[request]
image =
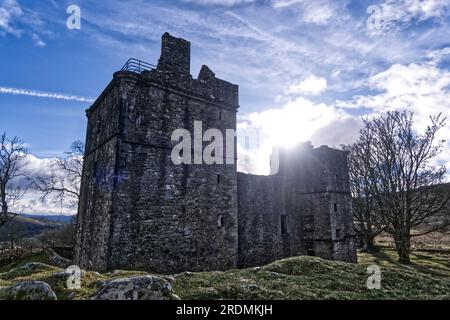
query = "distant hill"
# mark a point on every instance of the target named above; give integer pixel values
(60, 218)
(30, 225)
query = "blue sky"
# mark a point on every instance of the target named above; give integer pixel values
(307, 70)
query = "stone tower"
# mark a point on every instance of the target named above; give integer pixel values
(137, 208)
(140, 209)
(303, 209)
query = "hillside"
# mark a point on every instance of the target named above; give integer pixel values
(295, 278)
(27, 226)
(58, 218)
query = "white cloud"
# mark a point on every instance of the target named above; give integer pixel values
(318, 14)
(312, 12)
(312, 85)
(32, 203)
(227, 3)
(38, 42)
(436, 56)
(298, 121)
(10, 10)
(421, 88)
(278, 4)
(43, 94)
(398, 14)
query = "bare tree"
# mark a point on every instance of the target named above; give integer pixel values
(65, 177)
(12, 232)
(368, 222)
(12, 161)
(30, 243)
(404, 180)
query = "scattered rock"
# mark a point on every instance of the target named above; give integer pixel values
(57, 260)
(71, 296)
(100, 283)
(28, 290)
(34, 266)
(275, 274)
(136, 288)
(170, 279)
(174, 297)
(256, 269)
(184, 274)
(64, 274)
(60, 275)
(250, 287)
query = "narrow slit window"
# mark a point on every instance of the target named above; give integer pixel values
(219, 178)
(220, 115)
(335, 207)
(221, 222)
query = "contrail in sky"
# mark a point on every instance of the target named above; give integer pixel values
(43, 94)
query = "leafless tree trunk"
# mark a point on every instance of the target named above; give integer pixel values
(65, 178)
(404, 180)
(12, 161)
(368, 222)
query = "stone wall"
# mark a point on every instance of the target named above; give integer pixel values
(304, 209)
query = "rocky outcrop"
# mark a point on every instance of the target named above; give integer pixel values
(28, 290)
(26, 269)
(57, 260)
(136, 288)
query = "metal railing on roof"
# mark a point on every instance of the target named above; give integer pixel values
(138, 66)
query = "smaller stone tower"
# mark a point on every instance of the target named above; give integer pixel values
(303, 209)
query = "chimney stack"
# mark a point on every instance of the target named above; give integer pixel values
(175, 55)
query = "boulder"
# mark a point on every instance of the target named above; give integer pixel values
(57, 260)
(136, 288)
(28, 290)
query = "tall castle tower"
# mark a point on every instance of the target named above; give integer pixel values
(137, 208)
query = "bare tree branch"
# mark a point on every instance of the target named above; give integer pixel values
(404, 182)
(65, 177)
(12, 161)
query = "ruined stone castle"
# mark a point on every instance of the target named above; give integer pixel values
(140, 210)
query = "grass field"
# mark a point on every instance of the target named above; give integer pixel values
(428, 277)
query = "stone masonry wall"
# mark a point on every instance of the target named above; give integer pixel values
(304, 209)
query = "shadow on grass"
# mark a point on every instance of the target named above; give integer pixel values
(423, 263)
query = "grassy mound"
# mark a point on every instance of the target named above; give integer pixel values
(428, 277)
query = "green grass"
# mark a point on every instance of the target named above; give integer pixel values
(428, 277)
(36, 257)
